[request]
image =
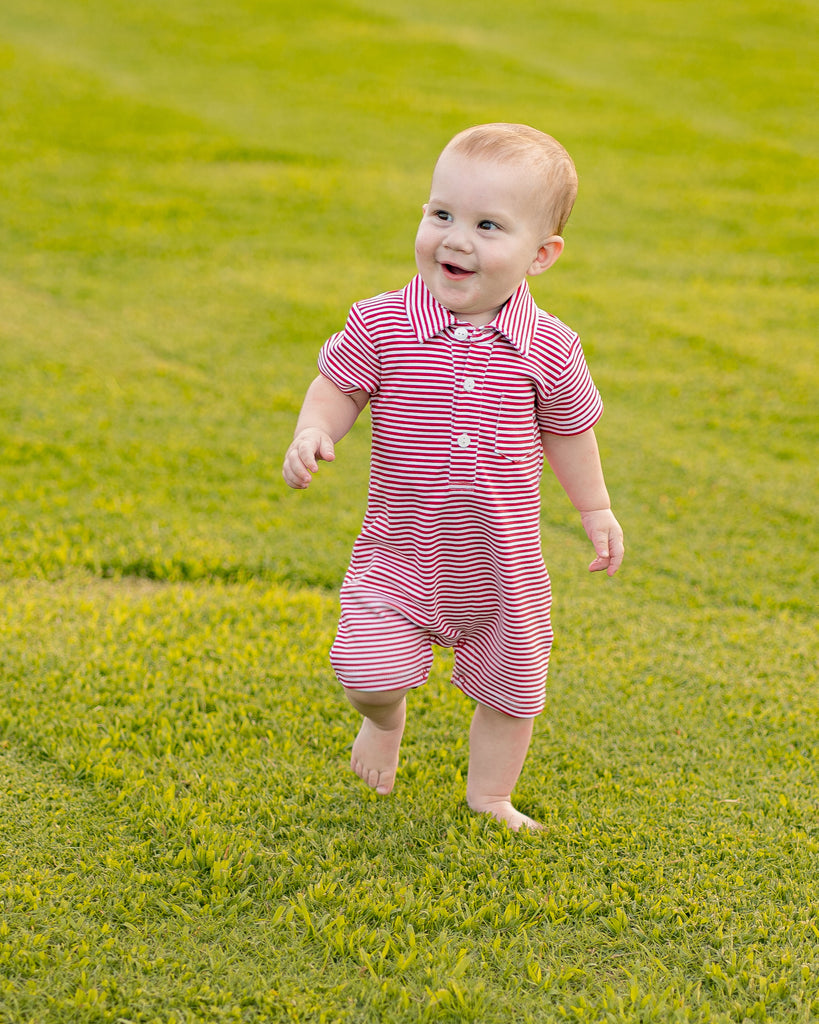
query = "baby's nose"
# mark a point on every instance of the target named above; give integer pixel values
(458, 240)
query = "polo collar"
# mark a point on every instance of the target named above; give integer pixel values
(516, 320)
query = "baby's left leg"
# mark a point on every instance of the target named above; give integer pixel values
(376, 748)
(377, 644)
(498, 745)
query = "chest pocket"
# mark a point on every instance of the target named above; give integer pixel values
(517, 438)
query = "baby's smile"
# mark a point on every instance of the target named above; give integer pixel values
(455, 272)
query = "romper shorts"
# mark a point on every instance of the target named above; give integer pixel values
(380, 646)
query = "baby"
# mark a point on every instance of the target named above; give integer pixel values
(470, 384)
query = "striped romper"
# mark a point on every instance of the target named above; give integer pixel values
(449, 552)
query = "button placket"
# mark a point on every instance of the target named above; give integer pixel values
(466, 411)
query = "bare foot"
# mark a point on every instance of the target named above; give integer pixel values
(503, 811)
(497, 750)
(375, 751)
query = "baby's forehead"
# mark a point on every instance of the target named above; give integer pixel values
(509, 158)
(513, 169)
(503, 177)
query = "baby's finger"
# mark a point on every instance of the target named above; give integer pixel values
(295, 471)
(327, 451)
(618, 552)
(600, 541)
(303, 456)
(295, 479)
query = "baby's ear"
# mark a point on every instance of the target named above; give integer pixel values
(548, 254)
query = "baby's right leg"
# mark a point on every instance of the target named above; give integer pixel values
(376, 748)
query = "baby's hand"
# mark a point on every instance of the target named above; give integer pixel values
(301, 460)
(606, 535)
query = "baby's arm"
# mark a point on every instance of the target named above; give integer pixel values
(326, 416)
(575, 461)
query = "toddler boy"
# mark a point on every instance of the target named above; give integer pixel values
(469, 385)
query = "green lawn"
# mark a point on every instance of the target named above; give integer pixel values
(191, 195)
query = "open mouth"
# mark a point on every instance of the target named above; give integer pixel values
(455, 272)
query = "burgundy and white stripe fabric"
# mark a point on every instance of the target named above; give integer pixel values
(449, 552)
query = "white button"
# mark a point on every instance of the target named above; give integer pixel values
(463, 440)
(461, 333)
(469, 383)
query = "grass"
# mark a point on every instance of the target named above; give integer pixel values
(190, 197)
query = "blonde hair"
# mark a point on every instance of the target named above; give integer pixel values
(553, 173)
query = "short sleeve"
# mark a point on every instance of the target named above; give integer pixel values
(350, 358)
(573, 404)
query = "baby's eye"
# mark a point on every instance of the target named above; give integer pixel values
(488, 225)
(442, 215)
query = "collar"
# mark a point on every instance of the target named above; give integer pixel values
(516, 320)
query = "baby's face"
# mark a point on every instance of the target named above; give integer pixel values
(479, 237)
